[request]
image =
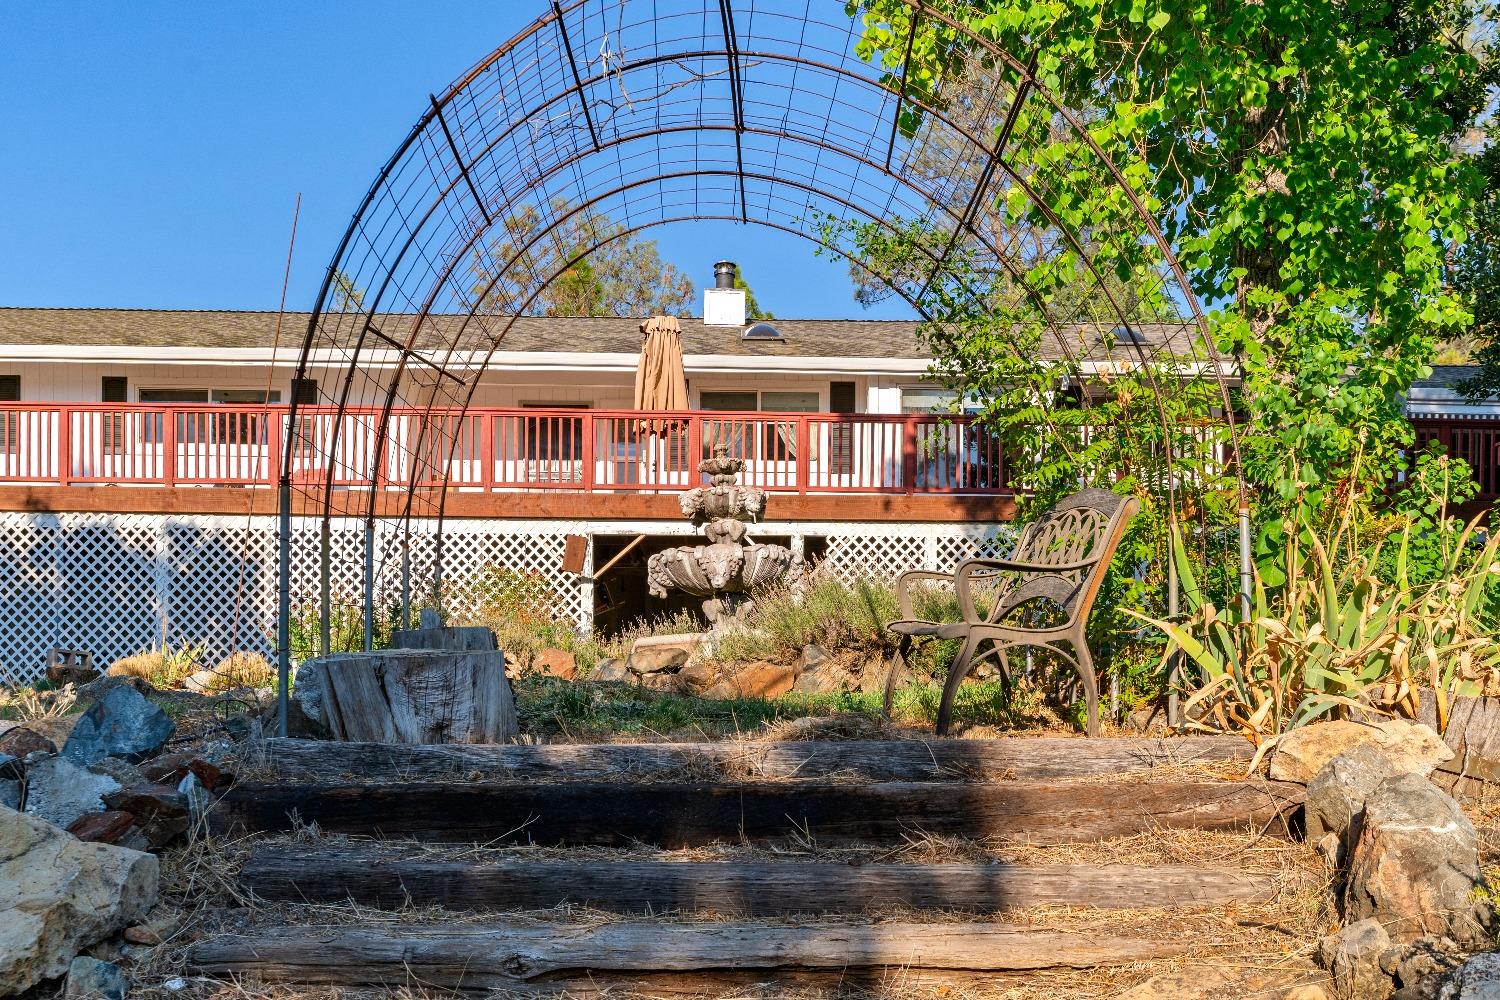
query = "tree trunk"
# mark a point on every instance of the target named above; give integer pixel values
(409, 696)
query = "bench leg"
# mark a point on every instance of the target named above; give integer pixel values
(1085, 663)
(956, 673)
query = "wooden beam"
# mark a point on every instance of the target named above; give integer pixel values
(1037, 759)
(638, 539)
(374, 877)
(679, 815)
(502, 954)
(549, 505)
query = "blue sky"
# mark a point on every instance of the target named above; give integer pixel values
(151, 151)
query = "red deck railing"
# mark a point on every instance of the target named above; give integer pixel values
(63, 444)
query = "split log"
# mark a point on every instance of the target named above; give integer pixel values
(1037, 759)
(690, 815)
(410, 696)
(372, 877)
(501, 955)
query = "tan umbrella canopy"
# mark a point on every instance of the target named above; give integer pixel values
(660, 383)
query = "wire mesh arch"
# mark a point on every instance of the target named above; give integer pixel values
(603, 119)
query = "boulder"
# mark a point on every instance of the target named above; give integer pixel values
(1420, 967)
(1411, 747)
(1476, 979)
(107, 827)
(609, 671)
(19, 741)
(657, 653)
(201, 682)
(59, 895)
(556, 663)
(1352, 958)
(827, 677)
(123, 723)
(812, 658)
(699, 676)
(92, 979)
(59, 791)
(1415, 866)
(1336, 795)
(761, 680)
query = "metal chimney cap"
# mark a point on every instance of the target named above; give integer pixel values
(724, 272)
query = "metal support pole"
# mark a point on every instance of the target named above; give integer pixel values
(325, 588)
(369, 604)
(1247, 581)
(1174, 665)
(283, 603)
(406, 574)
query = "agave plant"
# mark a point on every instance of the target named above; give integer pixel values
(1334, 639)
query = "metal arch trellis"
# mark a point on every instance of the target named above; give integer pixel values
(617, 116)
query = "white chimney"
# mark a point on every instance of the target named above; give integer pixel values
(723, 304)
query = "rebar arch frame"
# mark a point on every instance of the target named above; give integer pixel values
(607, 118)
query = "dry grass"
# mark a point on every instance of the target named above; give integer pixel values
(242, 670)
(161, 667)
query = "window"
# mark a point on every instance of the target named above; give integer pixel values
(246, 397)
(114, 389)
(924, 399)
(778, 440)
(10, 422)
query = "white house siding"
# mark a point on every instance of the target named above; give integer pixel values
(115, 584)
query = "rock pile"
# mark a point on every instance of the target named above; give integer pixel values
(1406, 858)
(675, 663)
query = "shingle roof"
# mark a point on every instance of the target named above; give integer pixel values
(603, 335)
(1447, 376)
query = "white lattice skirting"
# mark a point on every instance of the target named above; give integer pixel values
(116, 584)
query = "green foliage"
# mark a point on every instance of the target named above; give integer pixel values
(346, 632)
(550, 708)
(1476, 274)
(1326, 636)
(1299, 158)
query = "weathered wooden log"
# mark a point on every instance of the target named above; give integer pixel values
(466, 638)
(1038, 759)
(410, 696)
(1473, 733)
(503, 954)
(687, 815)
(373, 877)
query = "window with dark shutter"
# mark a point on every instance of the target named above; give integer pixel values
(305, 391)
(841, 436)
(10, 421)
(113, 389)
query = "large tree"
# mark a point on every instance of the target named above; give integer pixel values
(1299, 156)
(583, 265)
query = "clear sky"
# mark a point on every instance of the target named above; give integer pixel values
(151, 150)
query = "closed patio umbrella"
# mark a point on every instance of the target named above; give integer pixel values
(660, 384)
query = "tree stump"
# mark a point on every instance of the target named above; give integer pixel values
(409, 696)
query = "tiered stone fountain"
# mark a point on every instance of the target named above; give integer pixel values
(725, 571)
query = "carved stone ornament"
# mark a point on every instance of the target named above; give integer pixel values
(728, 567)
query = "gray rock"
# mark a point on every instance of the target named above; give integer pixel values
(1476, 979)
(1415, 866)
(1352, 958)
(10, 793)
(92, 979)
(59, 791)
(1411, 747)
(656, 659)
(1419, 967)
(11, 768)
(108, 683)
(123, 723)
(122, 771)
(1336, 795)
(59, 895)
(308, 694)
(429, 618)
(812, 656)
(609, 671)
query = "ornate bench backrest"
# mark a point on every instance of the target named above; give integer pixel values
(1085, 526)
